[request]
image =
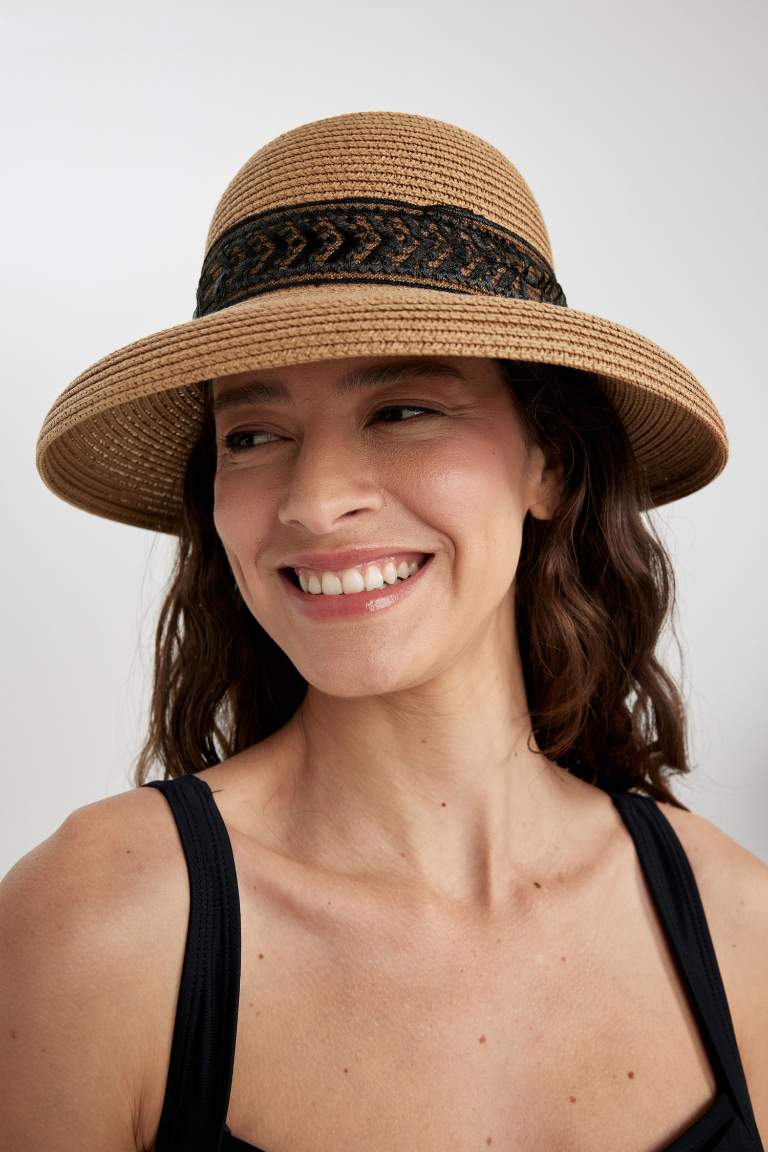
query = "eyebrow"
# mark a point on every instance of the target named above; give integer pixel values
(259, 392)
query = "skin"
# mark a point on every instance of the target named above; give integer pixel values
(408, 762)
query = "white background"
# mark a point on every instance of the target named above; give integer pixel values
(641, 129)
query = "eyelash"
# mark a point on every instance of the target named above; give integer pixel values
(234, 449)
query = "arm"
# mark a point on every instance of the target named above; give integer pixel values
(70, 1040)
(748, 902)
(733, 884)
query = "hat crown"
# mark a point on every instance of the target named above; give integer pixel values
(393, 155)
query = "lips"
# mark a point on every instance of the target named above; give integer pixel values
(351, 558)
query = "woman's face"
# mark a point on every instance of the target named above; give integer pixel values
(323, 465)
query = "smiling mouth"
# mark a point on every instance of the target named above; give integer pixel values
(291, 575)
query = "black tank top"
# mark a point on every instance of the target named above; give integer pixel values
(193, 1117)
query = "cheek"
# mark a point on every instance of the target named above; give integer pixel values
(224, 513)
(478, 484)
(237, 517)
(478, 500)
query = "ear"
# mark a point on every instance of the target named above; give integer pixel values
(546, 483)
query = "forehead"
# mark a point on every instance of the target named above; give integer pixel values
(257, 390)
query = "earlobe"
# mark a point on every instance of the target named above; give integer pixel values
(543, 509)
(550, 487)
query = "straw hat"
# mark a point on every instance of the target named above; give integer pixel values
(373, 233)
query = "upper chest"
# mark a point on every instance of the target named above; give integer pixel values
(364, 1025)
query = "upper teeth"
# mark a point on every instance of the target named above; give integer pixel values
(363, 577)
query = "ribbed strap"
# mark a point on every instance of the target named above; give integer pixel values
(676, 895)
(203, 1047)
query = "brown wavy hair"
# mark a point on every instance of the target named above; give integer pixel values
(594, 588)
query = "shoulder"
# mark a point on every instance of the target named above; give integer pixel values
(118, 856)
(99, 912)
(733, 880)
(136, 813)
(733, 885)
(103, 870)
(94, 863)
(126, 855)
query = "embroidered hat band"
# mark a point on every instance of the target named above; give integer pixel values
(366, 240)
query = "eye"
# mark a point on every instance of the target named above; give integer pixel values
(231, 444)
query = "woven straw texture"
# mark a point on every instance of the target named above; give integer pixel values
(115, 442)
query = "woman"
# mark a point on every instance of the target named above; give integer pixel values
(416, 852)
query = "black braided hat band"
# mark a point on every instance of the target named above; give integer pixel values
(367, 239)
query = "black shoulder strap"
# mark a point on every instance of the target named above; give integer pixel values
(203, 1047)
(676, 895)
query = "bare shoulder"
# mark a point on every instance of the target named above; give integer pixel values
(111, 863)
(96, 859)
(733, 884)
(119, 855)
(732, 878)
(134, 836)
(76, 944)
(97, 918)
(129, 844)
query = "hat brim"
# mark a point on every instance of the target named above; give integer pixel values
(116, 441)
